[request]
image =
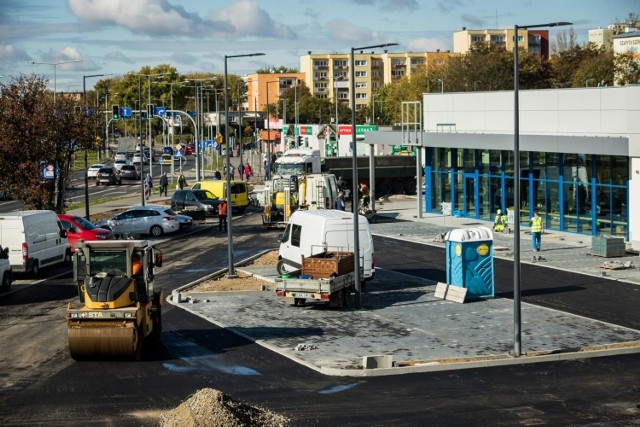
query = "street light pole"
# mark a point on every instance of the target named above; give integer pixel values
(231, 268)
(55, 77)
(268, 126)
(354, 176)
(86, 150)
(517, 325)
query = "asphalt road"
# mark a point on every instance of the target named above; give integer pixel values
(42, 385)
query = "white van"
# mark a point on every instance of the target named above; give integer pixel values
(35, 239)
(315, 231)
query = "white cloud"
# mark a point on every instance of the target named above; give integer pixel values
(119, 57)
(424, 44)
(249, 19)
(342, 30)
(10, 53)
(69, 54)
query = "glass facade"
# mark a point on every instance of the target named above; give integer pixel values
(586, 194)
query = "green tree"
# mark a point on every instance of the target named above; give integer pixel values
(37, 133)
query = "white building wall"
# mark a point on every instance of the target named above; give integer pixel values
(610, 112)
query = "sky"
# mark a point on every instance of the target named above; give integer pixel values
(121, 36)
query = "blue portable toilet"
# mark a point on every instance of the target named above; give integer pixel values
(470, 261)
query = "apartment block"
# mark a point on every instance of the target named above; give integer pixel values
(534, 41)
(266, 88)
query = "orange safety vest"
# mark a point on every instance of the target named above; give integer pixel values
(222, 209)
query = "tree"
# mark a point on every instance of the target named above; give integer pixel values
(37, 133)
(276, 70)
(565, 40)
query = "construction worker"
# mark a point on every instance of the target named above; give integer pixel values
(537, 228)
(500, 223)
(222, 215)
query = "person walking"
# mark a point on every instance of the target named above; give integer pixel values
(148, 185)
(537, 228)
(182, 181)
(222, 215)
(247, 171)
(500, 223)
(241, 170)
(217, 176)
(339, 205)
(164, 184)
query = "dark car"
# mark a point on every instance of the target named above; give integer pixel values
(108, 175)
(200, 199)
(189, 149)
(129, 172)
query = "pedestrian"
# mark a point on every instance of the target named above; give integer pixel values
(232, 172)
(148, 185)
(537, 228)
(267, 171)
(500, 223)
(164, 184)
(182, 181)
(241, 170)
(222, 215)
(248, 172)
(364, 195)
(217, 176)
(339, 205)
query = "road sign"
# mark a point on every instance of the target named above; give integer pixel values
(208, 143)
(159, 111)
(178, 147)
(125, 112)
(177, 153)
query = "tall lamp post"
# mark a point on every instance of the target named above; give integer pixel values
(86, 156)
(269, 124)
(55, 77)
(231, 272)
(517, 330)
(354, 176)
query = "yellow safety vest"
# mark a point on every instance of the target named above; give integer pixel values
(536, 225)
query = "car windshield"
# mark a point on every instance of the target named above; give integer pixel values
(204, 195)
(96, 166)
(84, 224)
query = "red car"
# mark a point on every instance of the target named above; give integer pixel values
(188, 149)
(79, 228)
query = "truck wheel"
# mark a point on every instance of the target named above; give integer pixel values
(398, 187)
(280, 267)
(410, 186)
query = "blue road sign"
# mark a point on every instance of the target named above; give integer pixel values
(177, 153)
(208, 143)
(159, 111)
(125, 112)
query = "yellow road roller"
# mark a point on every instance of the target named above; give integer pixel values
(119, 307)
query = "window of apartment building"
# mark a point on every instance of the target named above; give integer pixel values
(438, 61)
(398, 62)
(375, 74)
(321, 86)
(340, 63)
(361, 96)
(477, 39)
(320, 63)
(361, 85)
(361, 74)
(417, 61)
(343, 95)
(287, 82)
(361, 62)
(520, 39)
(340, 75)
(397, 73)
(320, 75)
(375, 63)
(498, 39)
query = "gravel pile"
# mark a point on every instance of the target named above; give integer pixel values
(212, 408)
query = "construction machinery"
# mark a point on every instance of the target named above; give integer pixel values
(120, 308)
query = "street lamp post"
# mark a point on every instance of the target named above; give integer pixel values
(86, 150)
(354, 176)
(231, 268)
(55, 77)
(517, 330)
(441, 85)
(268, 126)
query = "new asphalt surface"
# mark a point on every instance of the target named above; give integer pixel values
(402, 326)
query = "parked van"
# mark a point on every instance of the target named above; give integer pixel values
(5, 270)
(35, 239)
(239, 192)
(315, 231)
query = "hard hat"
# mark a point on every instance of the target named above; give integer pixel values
(499, 212)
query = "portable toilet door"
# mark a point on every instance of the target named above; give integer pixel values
(470, 261)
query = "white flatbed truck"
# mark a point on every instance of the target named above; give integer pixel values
(332, 290)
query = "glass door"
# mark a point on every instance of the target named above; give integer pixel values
(470, 195)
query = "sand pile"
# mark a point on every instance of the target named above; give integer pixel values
(212, 408)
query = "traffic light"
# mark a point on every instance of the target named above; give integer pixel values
(150, 110)
(115, 112)
(299, 140)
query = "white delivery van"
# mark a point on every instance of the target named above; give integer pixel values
(315, 231)
(35, 239)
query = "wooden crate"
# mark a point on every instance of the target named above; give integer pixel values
(327, 264)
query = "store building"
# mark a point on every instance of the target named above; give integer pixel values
(579, 156)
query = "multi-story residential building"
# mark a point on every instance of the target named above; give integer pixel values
(328, 75)
(602, 37)
(534, 41)
(265, 88)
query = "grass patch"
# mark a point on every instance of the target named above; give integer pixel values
(77, 159)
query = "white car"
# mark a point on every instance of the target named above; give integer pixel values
(138, 158)
(119, 163)
(120, 155)
(93, 170)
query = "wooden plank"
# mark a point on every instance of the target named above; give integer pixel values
(456, 294)
(441, 290)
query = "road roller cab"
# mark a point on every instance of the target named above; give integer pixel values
(120, 309)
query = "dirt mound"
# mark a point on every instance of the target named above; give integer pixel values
(270, 258)
(212, 408)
